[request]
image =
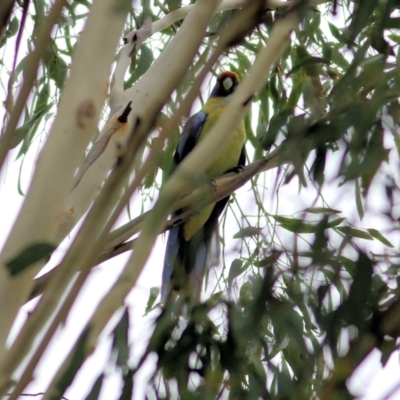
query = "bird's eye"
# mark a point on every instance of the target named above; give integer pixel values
(227, 83)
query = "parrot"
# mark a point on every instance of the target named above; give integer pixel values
(190, 245)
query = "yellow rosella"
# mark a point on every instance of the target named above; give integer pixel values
(189, 247)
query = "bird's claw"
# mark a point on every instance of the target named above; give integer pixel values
(237, 169)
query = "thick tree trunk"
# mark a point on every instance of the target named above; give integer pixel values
(76, 122)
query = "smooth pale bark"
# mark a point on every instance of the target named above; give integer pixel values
(151, 92)
(134, 40)
(148, 96)
(78, 112)
(176, 15)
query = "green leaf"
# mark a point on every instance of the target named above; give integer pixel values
(358, 233)
(96, 388)
(394, 38)
(394, 111)
(335, 32)
(21, 66)
(78, 357)
(376, 154)
(327, 51)
(285, 384)
(377, 235)
(359, 203)
(247, 232)
(339, 59)
(264, 106)
(245, 294)
(335, 222)
(39, 8)
(314, 24)
(127, 389)
(154, 291)
(12, 27)
(141, 65)
(295, 94)
(322, 210)
(274, 384)
(268, 261)
(60, 72)
(120, 340)
(295, 225)
(234, 271)
(150, 177)
(27, 131)
(56, 66)
(42, 99)
(21, 133)
(360, 292)
(361, 14)
(29, 256)
(173, 4)
(307, 62)
(277, 122)
(392, 23)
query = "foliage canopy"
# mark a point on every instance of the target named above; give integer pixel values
(303, 296)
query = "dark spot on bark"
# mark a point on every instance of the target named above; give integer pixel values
(123, 118)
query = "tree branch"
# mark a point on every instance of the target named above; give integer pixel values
(155, 220)
(117, 97)
(148, 96)
(76, 121)
(18, 239)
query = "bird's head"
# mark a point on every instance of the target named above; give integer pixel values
(226, 84)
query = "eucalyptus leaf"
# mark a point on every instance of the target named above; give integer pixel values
(358, 233)
(29, 256)
(247, 232)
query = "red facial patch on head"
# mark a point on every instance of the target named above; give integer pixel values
(229, 74)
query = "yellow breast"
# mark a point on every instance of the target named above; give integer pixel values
(228, 158)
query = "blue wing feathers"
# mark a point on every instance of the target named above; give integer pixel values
(186, 262)
(190, 135)
(176, 245)
(170, 256)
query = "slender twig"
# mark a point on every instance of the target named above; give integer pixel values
(9, 100)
